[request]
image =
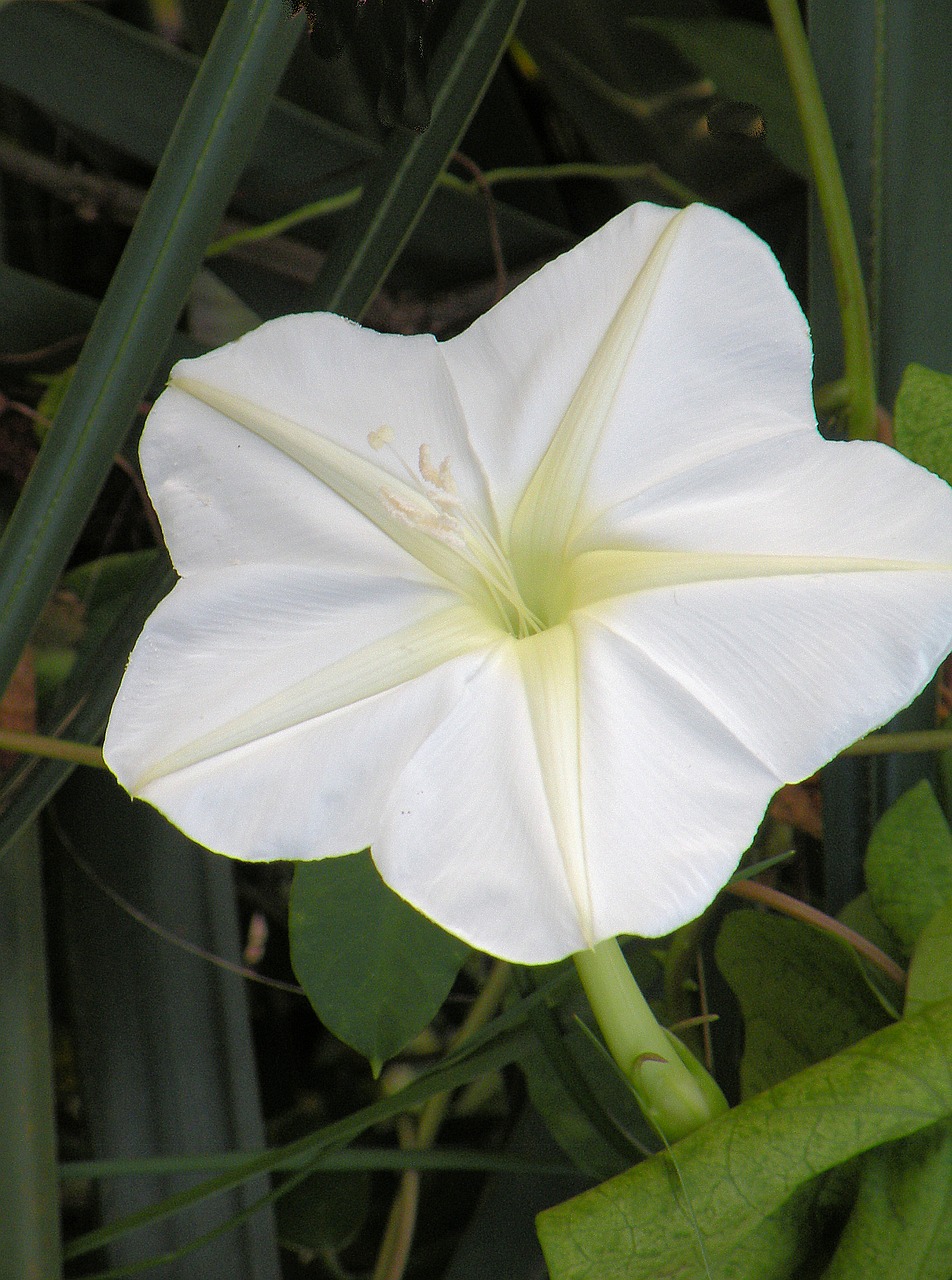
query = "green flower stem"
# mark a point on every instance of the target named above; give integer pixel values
(277, 226)
(848, 277)
(37, 744)
(917, 741)
(673, 1089)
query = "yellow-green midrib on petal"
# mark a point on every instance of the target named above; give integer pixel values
(601, 575)
(385, 664)
(549, 667)
(544, 519)
(367, 487)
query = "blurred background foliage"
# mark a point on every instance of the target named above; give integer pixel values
(406, 162)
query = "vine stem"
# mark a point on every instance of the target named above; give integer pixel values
(831, 194)
(38, 744)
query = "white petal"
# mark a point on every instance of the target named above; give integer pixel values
(794, 668)
(722, 358)
(267, 711)
(671, 797)
(549, 509)
(225, 496)
(723, 361)
(518, 367)
(795, 496)
(468, 836)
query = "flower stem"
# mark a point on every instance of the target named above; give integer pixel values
(673, 1089)
(831, 194)
(911, 742)
(38, 744)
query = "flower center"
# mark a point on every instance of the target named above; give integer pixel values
(435, 508)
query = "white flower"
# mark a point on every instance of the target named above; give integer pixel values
(543, 614)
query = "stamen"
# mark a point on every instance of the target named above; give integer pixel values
(438, 524)
(382, 436)
(442, 515)
(429, 473)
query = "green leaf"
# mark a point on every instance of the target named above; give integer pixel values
(28, 1196)
(578, 1095)
(858, 914)
(930, 970)
(801, 992)
(923, 419)
(909, 864)
(198, 171)
(402, 181)
(739, 1169)
(37, 313)
(375, 970)
(42, 45)
(743, 60)
(901, 1224)
(324, 1211)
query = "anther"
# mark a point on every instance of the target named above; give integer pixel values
(382, 436)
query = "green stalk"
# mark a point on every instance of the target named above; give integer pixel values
(912, 742)
(848, 277)
(673, 1089)
(39, 744)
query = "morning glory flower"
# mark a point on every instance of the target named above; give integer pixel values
(543, 614)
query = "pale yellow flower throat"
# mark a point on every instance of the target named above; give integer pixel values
(441, 513)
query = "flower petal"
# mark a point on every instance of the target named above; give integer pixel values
(671, 796)
(517, 368)
(399, 510)
(549, 508)
(550, 674)
(795, 496)
(469, 832)
(226, 496)
(259, 683)
(793, 668)
(722, 356)
(723, 361)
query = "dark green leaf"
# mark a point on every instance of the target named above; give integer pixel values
(744, 62)
(930, 970)
(739, 1169)
(503, 1041)
(402, 181)
(28, 1199)
(923, 420)
(858, 914)
(901, 1224)
(375, 970)
(909, 864)
(582, 1101)
(801, 992)
(324, 1211)
(201, 165)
